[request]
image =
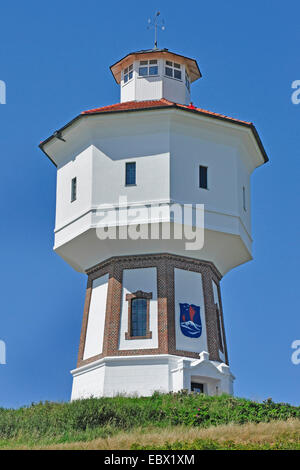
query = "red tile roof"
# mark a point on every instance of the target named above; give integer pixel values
(162, 103)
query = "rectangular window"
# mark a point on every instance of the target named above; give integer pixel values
(148, 68)
(128, 73)
(153, 70)
(130, 178)
(143, 71)
(169, 72)
(244, 198)
(73, 189)
(203, 177)
(172, 69)
(138, 317)
(177, 74)
(197, 388)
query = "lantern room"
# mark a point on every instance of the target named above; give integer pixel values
(155, 74)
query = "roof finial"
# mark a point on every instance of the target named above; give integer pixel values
(156, 24)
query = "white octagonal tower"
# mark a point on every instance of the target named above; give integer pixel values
(126, 173)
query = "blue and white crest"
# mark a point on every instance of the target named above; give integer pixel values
(190, 320)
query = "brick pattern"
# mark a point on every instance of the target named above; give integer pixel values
(165, 265)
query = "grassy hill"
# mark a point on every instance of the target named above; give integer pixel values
(170, 421)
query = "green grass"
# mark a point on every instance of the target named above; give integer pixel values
(86, 420)
(213, 444)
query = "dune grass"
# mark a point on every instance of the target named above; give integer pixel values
(171, 421)
(272, 435)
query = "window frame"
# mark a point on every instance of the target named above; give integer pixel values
(74, 189)
(126, 166)
(174, 67)
(129, 298)
(148, 64)
(127, 72)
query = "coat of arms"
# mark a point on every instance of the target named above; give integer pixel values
(190, 320)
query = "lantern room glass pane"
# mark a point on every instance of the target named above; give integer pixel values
(128, 73)
(153, 70)
(177, 74)
(143, 71)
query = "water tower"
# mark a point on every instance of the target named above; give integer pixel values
(153, 317)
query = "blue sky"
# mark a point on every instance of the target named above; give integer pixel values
(55, 59)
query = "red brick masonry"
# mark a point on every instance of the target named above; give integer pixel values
(165, 265)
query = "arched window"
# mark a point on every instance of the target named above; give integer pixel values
(138, 315)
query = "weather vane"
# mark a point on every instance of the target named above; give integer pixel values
(156, 23)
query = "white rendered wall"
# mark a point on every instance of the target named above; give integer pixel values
(155, 87)
(224, 250)
(189, 289)
(142, 378)
(201, 143)
(193, 146)
(79, 167)
(96, 318)
(243, 180)
(168, 146)
(100, 169)
(176, 91)
(144, 142)
(144, 279)
(143, 375)
(148, 88)
(88, 384)
(128, 91)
